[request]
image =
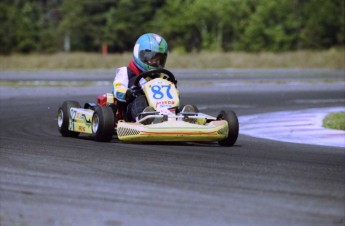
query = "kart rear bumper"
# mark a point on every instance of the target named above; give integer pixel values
(172, 131)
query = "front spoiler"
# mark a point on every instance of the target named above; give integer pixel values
(172, 131)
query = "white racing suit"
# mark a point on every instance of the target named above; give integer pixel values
(124, 79)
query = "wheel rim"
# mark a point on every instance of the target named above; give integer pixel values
(60, 118)
(95, 123)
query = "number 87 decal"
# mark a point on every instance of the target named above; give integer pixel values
(158, 91)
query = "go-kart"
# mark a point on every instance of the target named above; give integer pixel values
(163, 120)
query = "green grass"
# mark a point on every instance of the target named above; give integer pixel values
(332, 58)
(335, 121)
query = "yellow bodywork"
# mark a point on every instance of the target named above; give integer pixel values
(161, 93)
(172, 131)
(80, 120)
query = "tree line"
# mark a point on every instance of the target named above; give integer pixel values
(49, 26)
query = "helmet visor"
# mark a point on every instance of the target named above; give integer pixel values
(153, 59)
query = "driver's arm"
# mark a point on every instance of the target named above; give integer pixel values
(120, 84)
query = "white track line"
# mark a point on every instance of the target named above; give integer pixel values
(304, 126)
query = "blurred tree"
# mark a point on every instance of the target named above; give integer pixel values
(49, 22)
(234, 15)
(28, 26)
(84, 20)
(127, 20)
(20, 30)
(273, 26)
(178, 24)
(7, 33)
(201, 24)
(190, 25)
(324, 23)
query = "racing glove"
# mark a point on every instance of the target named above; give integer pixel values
(130, 95)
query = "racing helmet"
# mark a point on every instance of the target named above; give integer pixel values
(150, 52)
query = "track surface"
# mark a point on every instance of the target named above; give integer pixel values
(46, 179)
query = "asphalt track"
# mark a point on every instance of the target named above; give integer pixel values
(46, 179)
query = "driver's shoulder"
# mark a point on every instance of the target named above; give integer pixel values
(121, 70)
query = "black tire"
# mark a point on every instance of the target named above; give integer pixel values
(233, 125)
(63, 117)
(103, 122)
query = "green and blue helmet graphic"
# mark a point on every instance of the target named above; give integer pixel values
(150, 52)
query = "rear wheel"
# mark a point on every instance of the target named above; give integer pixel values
(63, 117)
(233, 126)
(103, 122)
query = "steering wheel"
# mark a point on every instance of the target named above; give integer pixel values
(153, 74)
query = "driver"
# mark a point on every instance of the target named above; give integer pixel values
(150, 52)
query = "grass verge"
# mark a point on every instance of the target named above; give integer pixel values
(335, 121)
(332, 58)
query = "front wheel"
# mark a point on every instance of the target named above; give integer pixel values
(63, 118)
(103, 122)
(233, 127)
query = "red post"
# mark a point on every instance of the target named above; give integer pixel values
(104, 49)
